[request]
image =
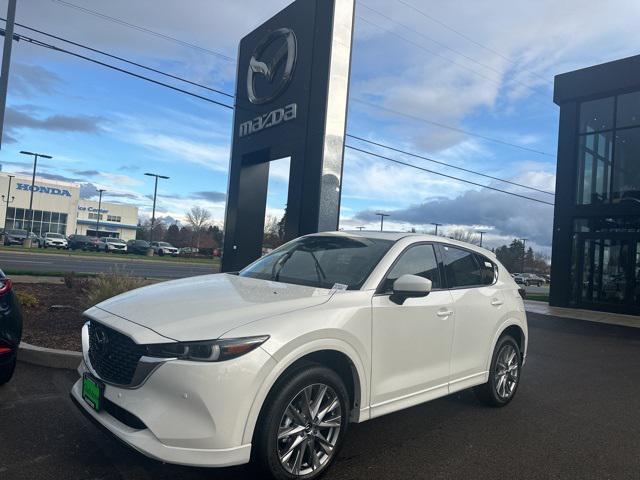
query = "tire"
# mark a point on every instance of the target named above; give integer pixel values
(6, 371)
(495, 393)
(161, 253)
(276, 418)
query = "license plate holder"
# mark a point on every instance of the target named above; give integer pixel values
(92, 391)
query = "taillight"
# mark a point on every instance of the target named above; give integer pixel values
(523, 293)
(5, 285)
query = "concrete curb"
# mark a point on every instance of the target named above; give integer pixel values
(49, 357)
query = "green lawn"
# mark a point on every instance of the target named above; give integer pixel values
(538, 297)
(128, 256)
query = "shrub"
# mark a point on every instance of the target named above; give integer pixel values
(26, 299)
(107, 285)
(70, 279)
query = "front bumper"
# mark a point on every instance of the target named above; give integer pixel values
(191, 413)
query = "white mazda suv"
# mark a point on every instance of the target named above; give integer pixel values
(272, 363)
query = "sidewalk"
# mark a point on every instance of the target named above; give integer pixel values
(543, 308)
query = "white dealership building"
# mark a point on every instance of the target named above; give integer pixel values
(57, 207)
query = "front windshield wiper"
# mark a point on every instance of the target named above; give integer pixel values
(321, 276)
(279, 265)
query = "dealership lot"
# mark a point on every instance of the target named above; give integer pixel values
(576, 415)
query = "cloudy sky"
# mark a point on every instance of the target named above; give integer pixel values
(457, 81)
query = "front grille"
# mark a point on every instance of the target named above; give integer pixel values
(113, 356)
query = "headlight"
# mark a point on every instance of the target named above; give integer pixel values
(207, 351)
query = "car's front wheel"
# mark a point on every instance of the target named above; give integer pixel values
(303, 424)
(504, 375)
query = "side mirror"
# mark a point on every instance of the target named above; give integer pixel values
(410, 286)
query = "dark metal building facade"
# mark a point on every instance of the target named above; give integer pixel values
(596, 239)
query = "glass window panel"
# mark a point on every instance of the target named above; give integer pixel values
(37, 215)
(55, 216)
(63, 218)
(594, 168)
(596, 115)
(626, 168)
(488, 270)
(19, 214)
(461, 268)
(628, 114)
(419, 260)
(46, 216)
(11, 212)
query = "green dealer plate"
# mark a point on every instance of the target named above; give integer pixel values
(92, 391)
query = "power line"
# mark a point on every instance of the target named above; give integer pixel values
(457, 52)
(449, 127)
(399, 162)
(231, 107)
(415, 155)
(122, 70)
(122, 59)
(437, 54)
(144, 29)
(468, 38)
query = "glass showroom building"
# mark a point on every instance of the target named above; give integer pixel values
(596, 240)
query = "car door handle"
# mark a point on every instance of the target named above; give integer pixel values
(496, 303)
(444, 313)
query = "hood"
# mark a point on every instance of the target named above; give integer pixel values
(205, 307)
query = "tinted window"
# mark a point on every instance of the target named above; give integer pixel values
(488, 270)
(628, 110)
(461, 268)
(417, 260)
(596, 115)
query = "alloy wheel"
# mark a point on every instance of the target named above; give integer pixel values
(309, 429)
(507, 372)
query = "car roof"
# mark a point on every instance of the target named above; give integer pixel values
(417, 237)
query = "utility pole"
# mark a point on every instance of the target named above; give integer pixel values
(481, 236)
(27, 241)
(9, 200)
(101, 191)
(6, 61)
(360, 228)
(524, 251)
(155, 194)
(436, 225)
(382, 215)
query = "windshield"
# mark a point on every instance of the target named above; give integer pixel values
(321, 261)
(115, 240)
(17, 232)
(164, 244)
(54, 235)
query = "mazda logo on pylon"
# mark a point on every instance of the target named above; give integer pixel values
(268, 67)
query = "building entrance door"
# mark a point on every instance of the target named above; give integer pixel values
(609, 271)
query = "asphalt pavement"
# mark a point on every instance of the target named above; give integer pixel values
(48, 263)
(576, 416)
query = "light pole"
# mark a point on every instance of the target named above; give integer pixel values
(27, 241)
(155, 194)
(9, 200)
(382, 215)
(524, 251)
(481, 236)
(436, 225)
(6, 60)
(360, 228)
(101, 191)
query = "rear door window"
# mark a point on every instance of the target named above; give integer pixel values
(461, 268)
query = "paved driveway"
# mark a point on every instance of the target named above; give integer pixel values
(576, 416)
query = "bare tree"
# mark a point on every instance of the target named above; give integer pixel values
(198, 219)
(465, 236)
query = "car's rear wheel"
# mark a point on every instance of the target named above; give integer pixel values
(303, 424)
(6, 371)
(504, 375)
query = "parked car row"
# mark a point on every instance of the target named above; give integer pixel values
(529, 279)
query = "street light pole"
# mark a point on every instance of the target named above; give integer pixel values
(27, 241)
(382, 215)
(481, 236)
(101, 191)
(6, 61)
(155, 194)
(9, 200)
(524, 251)
(360, 228)
(437, 225)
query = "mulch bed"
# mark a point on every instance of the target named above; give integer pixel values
(53, 328)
